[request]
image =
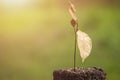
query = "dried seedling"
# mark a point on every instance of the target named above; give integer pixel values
(81, 38)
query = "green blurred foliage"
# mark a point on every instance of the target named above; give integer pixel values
(36, 41)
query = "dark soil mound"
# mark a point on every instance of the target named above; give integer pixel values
(93, 73)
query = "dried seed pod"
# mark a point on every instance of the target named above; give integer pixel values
(72, 12)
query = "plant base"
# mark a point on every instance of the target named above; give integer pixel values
(93, 73)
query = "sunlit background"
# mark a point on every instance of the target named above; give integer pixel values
(36, 37)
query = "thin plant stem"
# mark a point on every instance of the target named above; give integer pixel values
(75, 51)
(75, 31)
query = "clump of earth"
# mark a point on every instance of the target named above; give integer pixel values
(94, 73)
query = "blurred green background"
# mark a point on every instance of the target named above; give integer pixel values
(36, 37)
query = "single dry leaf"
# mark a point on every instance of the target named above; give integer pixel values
(72, 11)
(84, 44)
